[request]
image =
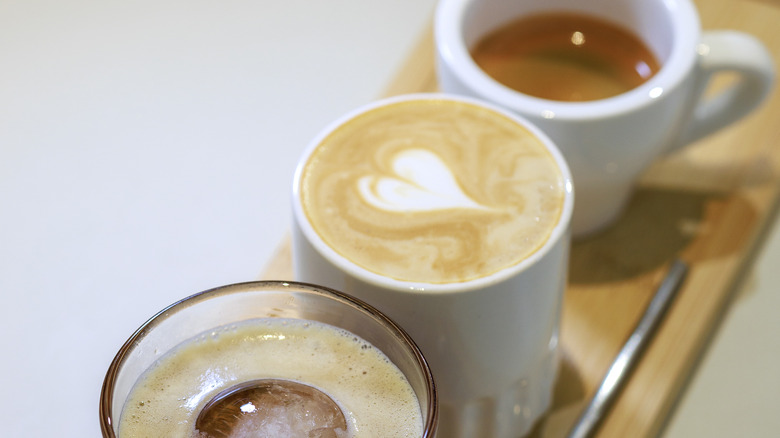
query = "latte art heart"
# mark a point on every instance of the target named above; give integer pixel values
(432, 191)
(422, 182)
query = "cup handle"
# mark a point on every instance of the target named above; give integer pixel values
(727, 51)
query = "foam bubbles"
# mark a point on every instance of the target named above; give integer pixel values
(323, 357)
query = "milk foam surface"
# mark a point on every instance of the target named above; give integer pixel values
(373, 394)
(432, 191)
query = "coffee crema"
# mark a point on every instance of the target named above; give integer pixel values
(432, 191)
(565, 57)
(373, 394)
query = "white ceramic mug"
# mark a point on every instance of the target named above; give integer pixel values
(608, 143)
(491, 341)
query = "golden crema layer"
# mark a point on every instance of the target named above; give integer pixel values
(433, 191)
(373, 394)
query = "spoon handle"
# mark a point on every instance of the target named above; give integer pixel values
(630, 353)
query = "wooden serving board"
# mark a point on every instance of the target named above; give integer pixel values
(710, 204)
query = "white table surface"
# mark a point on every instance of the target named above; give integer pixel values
(146, 150)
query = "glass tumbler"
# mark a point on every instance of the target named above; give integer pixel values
(235, 303)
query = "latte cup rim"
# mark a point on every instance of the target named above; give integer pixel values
(559, 234)
(453, 55)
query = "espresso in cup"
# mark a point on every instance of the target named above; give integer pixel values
(432, 191)
(608, 139)
(315, 380)
(565, 56)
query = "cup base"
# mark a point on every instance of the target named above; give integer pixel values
(511, 414)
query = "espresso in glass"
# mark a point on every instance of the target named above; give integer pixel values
(282, 364)
(565, 57)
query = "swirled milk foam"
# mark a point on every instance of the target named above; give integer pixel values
(432, 190)
(371, 392)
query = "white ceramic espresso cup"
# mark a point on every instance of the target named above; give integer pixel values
(491, 341)
(609, 142)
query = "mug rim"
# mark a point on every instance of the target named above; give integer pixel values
(558, 233)
(452, 51)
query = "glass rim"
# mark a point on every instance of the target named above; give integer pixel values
(107, 417)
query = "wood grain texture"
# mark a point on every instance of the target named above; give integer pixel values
(709, 204)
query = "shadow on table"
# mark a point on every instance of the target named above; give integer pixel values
(657, 227)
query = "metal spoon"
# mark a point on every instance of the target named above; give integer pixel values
(625, 361)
